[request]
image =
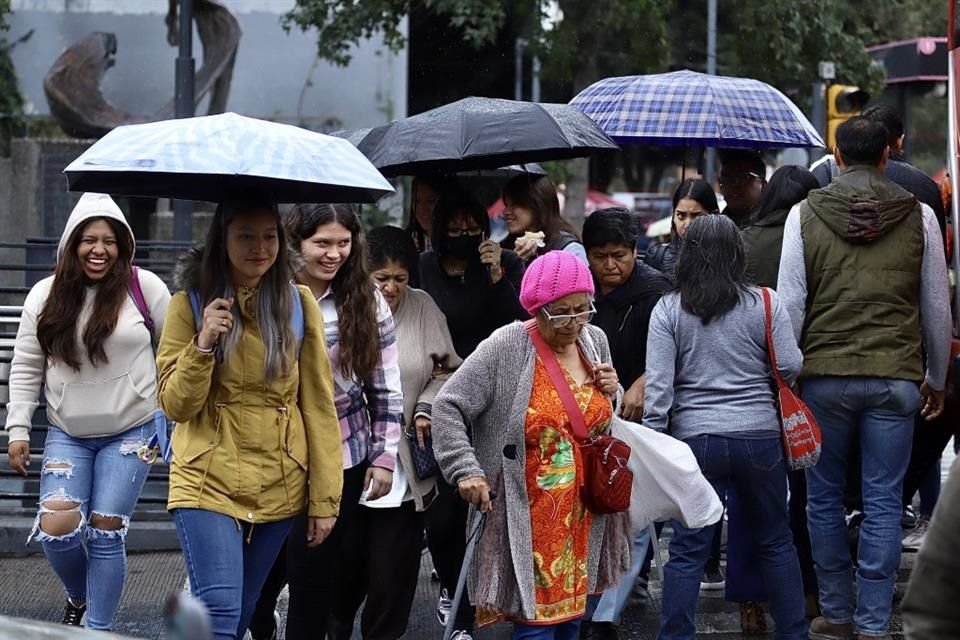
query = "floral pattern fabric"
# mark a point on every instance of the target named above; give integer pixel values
(560, 524)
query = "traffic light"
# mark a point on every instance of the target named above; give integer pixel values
(843, 101)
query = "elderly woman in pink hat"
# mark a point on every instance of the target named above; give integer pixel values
(502, 436)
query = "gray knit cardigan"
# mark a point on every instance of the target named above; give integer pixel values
(478, 430)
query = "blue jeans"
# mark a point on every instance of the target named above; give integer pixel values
(757, 471)
(562, 631)
(608, 606)
(86, 479)
(227, 564)
(881, 413)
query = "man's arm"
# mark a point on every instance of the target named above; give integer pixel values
(792, 278)
(934, 302)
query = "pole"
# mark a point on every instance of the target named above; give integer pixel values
(535, 80)
(183, 108)
(953, 160)
(711, 169)
(819, 113)
(518, 47)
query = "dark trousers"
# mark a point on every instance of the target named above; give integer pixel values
(929, 441)
(447, 541)
(314, 574)
(384, 570)
(744, 577)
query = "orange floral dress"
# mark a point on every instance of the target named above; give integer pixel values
(560, 525)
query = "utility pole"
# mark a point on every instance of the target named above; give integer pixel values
(183, 108)
(710, 170)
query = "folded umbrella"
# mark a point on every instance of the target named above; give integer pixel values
(685, 108)
(226, 157)
(482, 133)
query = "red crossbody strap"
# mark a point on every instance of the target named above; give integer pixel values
(768, 321)
(552, 365)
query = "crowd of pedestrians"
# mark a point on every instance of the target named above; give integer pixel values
(345, 399)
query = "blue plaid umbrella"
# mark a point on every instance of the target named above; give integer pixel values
(695, 109)
(226, 157)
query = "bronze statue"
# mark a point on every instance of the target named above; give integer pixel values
(72, 85)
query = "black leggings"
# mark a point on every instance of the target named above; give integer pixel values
(447, 541)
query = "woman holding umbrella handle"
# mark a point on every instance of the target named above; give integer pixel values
(246, 376)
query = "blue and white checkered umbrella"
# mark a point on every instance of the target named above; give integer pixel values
(226, 157)
(696, 109)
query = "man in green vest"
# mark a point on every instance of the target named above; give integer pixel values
(864, 278)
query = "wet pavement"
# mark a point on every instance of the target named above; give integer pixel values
(29, 589)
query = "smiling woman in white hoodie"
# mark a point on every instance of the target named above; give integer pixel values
(84, 338)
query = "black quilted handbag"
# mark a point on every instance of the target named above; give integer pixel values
(424, 463)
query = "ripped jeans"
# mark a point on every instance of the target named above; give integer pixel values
(88, 489)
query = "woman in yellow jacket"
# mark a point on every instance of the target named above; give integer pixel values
(257, 438)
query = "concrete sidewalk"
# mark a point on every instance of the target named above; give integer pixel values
(29, 589)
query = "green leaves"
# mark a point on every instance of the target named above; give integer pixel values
(342, 24)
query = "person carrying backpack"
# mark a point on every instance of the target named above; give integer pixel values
(84, 339)
(244, 372)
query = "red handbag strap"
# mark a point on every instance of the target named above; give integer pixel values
(768, 321)
(552, 365)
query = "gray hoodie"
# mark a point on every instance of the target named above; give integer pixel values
(100, 400)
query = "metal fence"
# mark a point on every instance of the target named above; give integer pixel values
(19, 495)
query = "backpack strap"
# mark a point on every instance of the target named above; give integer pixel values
(136, 292)
(296, 317)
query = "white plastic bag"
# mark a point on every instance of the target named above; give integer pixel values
(667, 481)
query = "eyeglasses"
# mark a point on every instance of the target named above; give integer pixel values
(565, 320)
(740, 179)
(454, 232)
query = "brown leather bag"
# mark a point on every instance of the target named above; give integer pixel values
(608, 482)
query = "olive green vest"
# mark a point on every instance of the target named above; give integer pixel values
(863, 299)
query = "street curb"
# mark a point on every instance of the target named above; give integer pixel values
(143, 537)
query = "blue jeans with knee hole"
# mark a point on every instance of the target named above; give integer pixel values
(227, 563)
(880, 413)
(756, 469)
(103, 477)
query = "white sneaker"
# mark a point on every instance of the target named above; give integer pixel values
(461, 635)
(913, 540)
(444, 605)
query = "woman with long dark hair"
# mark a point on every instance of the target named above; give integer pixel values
(84, 339)
(244, 372)
(709, 384)
(535, 226)
(763, 239)
(362, 347)
(691, 199)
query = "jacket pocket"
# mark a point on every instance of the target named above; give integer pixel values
(92, 408)
(294, 437)
(195, 438)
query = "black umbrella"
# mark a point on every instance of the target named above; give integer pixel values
(481, 133)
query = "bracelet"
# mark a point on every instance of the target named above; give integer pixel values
(196, 345)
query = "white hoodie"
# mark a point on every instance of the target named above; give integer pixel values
(100, 400)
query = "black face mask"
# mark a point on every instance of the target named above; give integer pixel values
(463, 246)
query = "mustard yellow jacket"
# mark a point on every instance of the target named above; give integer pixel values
(252, 449)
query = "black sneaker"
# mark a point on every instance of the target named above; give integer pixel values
(712, 580)
(73, 614)
(909, 518)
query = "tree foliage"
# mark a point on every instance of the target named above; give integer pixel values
(341, 24)
(11, 100)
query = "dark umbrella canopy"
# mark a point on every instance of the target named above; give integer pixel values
(482, 133)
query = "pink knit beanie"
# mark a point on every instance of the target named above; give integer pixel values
(552, 276)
